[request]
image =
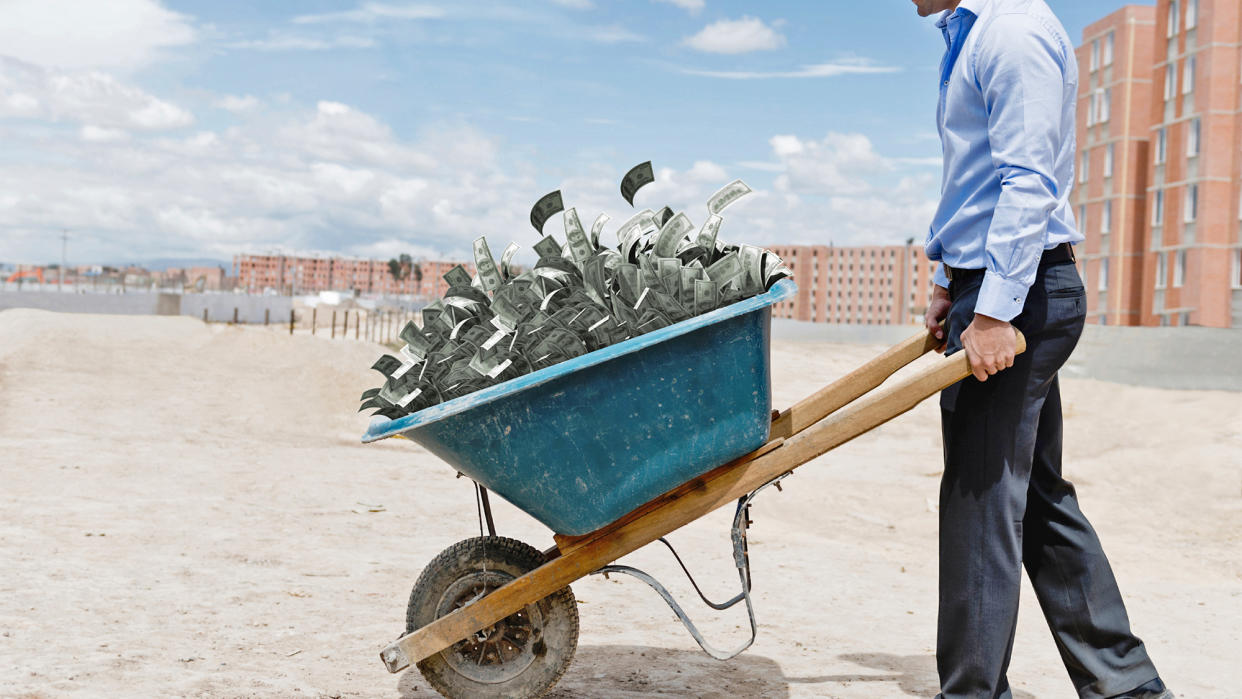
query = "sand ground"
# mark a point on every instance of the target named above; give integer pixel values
(179, 516)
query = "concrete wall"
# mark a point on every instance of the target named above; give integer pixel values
(1181, 358)
(219, 307)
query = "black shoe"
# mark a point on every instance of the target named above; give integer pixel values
(1152, 690)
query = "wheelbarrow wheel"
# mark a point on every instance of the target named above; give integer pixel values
(522, 656)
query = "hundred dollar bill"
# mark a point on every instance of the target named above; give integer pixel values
(489, 274)
(752, 268)
(370, 393)
(689, 275)
(708, 233)
(638, 176)
(671, 235)
(663, 215)
(550, 204)
(627, 281)
(667, 265)
(593, 277)
(597, 228)
(548, 247)
(386, 365)
(579, 244)
(414, 339)
(726, 195)
(457, 276)
(632, 231)
(726, 269)
(506, 260)
(705, 296)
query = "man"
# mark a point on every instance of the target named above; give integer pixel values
(1003, 234)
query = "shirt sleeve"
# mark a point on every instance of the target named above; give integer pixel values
(1021, 71)
(941, 279)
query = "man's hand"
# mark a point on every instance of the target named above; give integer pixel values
(990, 345)
(937, 311)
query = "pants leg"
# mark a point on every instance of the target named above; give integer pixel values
(992, 432)
(1072, 578)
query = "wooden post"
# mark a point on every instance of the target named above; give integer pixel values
(290, 321)
(267, 312)
(204, 314)
(334, 325)
(357, 320)
(314, 318)
(345, 327)
(234, 315)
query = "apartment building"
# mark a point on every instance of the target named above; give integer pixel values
(1159, 192)
(869, 285)
(308, 274)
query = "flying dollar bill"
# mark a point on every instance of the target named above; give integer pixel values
(489, 274)
(506, 261)
(707, 234)
(597, 228)
(663, 215)
(543, 210)
(579, 244)
(726, 195)
(671, 234)
(634, 180)
(548, 247)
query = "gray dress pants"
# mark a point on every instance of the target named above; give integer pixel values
(1004, 505)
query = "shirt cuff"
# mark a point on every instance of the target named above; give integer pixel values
(941, 279)
(1000, 298)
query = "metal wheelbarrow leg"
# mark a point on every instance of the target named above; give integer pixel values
(800, 434)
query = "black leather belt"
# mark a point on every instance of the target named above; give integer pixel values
(1061, 254)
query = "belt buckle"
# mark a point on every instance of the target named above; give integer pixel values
(948, 271)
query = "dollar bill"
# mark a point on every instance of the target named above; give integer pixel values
(663, 215)
(639, 176)
(457, 276)
(506, 261)
(726, 195)
(543, 210)
(751, 258)
(548, 247)
(597, 229)
(726, 269)
(630, 231)
(489, 274)
(689, 275)
(705, 296)
(707, 234)
(414, 339)
(671, 235)
(593, 277)
(579, 244)
(386, 365)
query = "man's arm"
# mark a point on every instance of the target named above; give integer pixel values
(1020, 69)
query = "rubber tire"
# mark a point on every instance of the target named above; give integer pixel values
(559, 611)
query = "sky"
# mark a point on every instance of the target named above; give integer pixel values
(182, 129)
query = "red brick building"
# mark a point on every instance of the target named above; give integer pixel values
(290, 274)
(870, 285)
(1160, 181)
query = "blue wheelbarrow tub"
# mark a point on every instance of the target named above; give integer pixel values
(582, 443)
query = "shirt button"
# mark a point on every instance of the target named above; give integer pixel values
(946, 83)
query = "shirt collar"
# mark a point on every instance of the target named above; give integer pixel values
(974, 7)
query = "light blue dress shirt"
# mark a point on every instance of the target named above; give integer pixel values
(1008, 90)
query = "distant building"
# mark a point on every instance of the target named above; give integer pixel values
(292, 274)
(870, 285)
(1159, 167)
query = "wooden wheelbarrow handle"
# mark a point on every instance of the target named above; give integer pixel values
(723, 486)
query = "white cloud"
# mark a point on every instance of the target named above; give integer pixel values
(852, 66)
(372, 12)
(281, 41)
(98, 134)
(97, 99)
(691, 6)
(736, 36)
(612, 34)
(87, 34)
(575, 4)
(237, 104)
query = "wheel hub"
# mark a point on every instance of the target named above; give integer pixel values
(499, 652)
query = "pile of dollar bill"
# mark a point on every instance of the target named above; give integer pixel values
(578, 298)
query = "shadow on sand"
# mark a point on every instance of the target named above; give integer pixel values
(625, 672)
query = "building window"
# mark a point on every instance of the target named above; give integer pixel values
(1173, 16)
(1192, 14)
(1108, 49)
(1082, 217)
(1194, 129)
(1109, 155)
(1162, 270)
(1157, 208)
(1192, 203)
(1103, 274)
(1106, 100)
(1095, 54)
(1237, 269)
(1188, 76)
(1179, 268)
(1086, 166)
(1106, 221)
(1170, 82)
(1162, 145)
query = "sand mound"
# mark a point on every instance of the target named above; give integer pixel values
(180, 516)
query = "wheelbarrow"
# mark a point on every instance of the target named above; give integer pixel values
(613, 450)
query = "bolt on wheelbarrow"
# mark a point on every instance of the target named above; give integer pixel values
(614, 450)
